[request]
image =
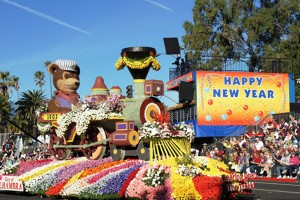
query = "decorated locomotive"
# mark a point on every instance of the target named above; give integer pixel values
(108, 122)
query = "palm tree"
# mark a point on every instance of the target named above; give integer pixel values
(27, 105)
(18, 121)
(39, 79)
(47, 63)
(5, 108)
(6, 83)
(16, 85)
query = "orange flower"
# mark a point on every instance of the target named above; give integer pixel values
(94, 170)
(162, 118)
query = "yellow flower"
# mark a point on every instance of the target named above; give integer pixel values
(137, 64)
(120, 64)
(73, 179)
(183, 186)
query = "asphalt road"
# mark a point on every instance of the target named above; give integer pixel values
(276, 191)
(7, 195)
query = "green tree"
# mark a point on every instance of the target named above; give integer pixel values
(233, 29)
(6, 83)
(46, 64)
(5, 109)
(18, 121)
(16, 84)
(27, 105)
(39, 79)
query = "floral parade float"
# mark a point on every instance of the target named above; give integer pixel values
(107, 122)
(130, 149)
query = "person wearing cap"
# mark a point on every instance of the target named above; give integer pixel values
(204, 149)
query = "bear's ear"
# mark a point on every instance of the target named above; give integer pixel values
(77, 69)
(52, 68)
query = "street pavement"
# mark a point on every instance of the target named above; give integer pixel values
(264, 190)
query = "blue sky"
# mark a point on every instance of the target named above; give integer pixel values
(91, 32)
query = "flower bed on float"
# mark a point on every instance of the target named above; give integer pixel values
(173, 178)
(182, 177)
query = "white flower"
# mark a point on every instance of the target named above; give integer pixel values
(43, 127)
(82, 116)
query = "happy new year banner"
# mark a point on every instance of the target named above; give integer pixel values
(240, 98)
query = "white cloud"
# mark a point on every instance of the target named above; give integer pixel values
(160, 5)
(47, 17)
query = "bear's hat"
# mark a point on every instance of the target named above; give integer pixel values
(68, 65)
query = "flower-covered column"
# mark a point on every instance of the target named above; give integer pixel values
(138, 61)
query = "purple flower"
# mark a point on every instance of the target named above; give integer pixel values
(70, 171)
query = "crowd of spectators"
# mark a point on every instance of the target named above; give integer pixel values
(271, 150)
(11, 154)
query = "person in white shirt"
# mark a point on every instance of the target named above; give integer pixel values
(269, 164)
(288, 137)
(259, 144)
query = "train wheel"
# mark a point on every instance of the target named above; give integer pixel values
(95, 134)
(117, 153)
(148, 108)
(143, 151)
(62, 153)
(87, 151)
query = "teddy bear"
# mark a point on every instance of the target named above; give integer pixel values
(66, 81)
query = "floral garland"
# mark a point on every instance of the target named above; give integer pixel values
(137, 64)
(41, 109)
(43, 127)
(150, 130)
